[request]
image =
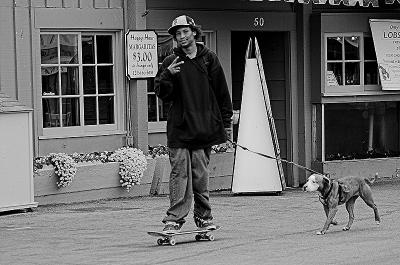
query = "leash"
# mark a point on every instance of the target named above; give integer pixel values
(275, 158)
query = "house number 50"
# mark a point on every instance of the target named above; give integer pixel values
(258, 22)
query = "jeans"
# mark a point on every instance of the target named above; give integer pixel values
(189, 178)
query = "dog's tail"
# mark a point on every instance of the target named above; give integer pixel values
(371, 181)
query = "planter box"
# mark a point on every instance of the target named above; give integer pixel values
(92, 181)
(221, 168)
(387, 168)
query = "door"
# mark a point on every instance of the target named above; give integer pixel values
(275, 56)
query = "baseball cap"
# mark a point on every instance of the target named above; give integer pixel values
(181, 21)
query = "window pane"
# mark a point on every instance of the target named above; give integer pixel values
(352, 73)
(70, 116)
(51, 112)
(334, 74)
(50, 85)
(49, 48)
(352, 48)
(369, 49)
(104, 49)
(376, 125)
(334, 46)
(90, 111)
(88, 49)
(69, 80)
(164, 46)
(69, 48)
(163, 108)
(105, 77)
(152, 109)
(89, 80)
(106, 110)
(371, 73)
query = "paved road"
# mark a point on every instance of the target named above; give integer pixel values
(256, 230)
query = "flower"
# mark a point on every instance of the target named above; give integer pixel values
(133, 163)
(64, 168)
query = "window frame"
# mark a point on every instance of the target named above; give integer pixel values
(161, 126)
(85, 130)
(347, 89)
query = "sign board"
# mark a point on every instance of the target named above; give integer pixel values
(253, 172)
(141, 52)
(386, 36)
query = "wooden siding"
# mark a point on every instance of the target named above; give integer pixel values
(77, 3)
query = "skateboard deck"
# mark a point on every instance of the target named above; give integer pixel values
(169, 238)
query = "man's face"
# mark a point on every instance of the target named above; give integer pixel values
(185, 36)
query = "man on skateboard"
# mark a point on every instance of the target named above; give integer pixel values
(193, 80)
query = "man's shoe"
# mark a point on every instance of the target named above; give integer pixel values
(204, 224)
(172, 227)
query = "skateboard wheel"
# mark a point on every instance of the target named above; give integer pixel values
(198, 237)
(211, 237)
(172, 242)
(160, 241)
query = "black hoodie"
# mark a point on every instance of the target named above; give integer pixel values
(201, 105)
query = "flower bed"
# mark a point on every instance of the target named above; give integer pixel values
(98, 176)
(93, 180)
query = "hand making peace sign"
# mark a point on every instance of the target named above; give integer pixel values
(174, 67)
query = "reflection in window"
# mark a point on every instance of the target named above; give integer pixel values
(50, 81)
(88, 49)
(343, 61)
(106, 110)
(69, 80)
(68, 49)
(362, 130)
(371, 74)
(49, 48)
(70, 116)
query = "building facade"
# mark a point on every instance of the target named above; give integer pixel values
(66, 60)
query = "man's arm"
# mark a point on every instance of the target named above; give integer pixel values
(164, 80)
(221, 91)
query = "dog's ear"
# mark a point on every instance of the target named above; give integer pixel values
(325, 181)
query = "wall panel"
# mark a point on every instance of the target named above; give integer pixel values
(7, 51)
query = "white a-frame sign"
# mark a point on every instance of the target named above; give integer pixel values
(253, 172)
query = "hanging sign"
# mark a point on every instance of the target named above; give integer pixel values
(141, 52)
(386, 36)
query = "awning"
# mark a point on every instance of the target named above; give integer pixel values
(364, 3)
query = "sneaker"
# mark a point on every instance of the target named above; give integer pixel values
(172, 227)
(204, 224)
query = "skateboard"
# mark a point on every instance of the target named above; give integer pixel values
(169, 238)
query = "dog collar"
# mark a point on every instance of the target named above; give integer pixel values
(322, 199)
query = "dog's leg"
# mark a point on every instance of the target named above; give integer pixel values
(331, 214)
(366, 195)
(326, 209)
(349, 208)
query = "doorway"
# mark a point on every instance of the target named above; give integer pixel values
(274, 48)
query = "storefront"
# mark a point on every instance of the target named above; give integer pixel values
(354, 116)
(227, 32)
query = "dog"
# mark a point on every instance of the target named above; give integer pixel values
(341, 191)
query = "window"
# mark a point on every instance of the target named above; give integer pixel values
(351, 64)
(78, 81)
(157, 109)
(361, 130)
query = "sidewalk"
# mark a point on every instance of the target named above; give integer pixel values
(256, 230)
